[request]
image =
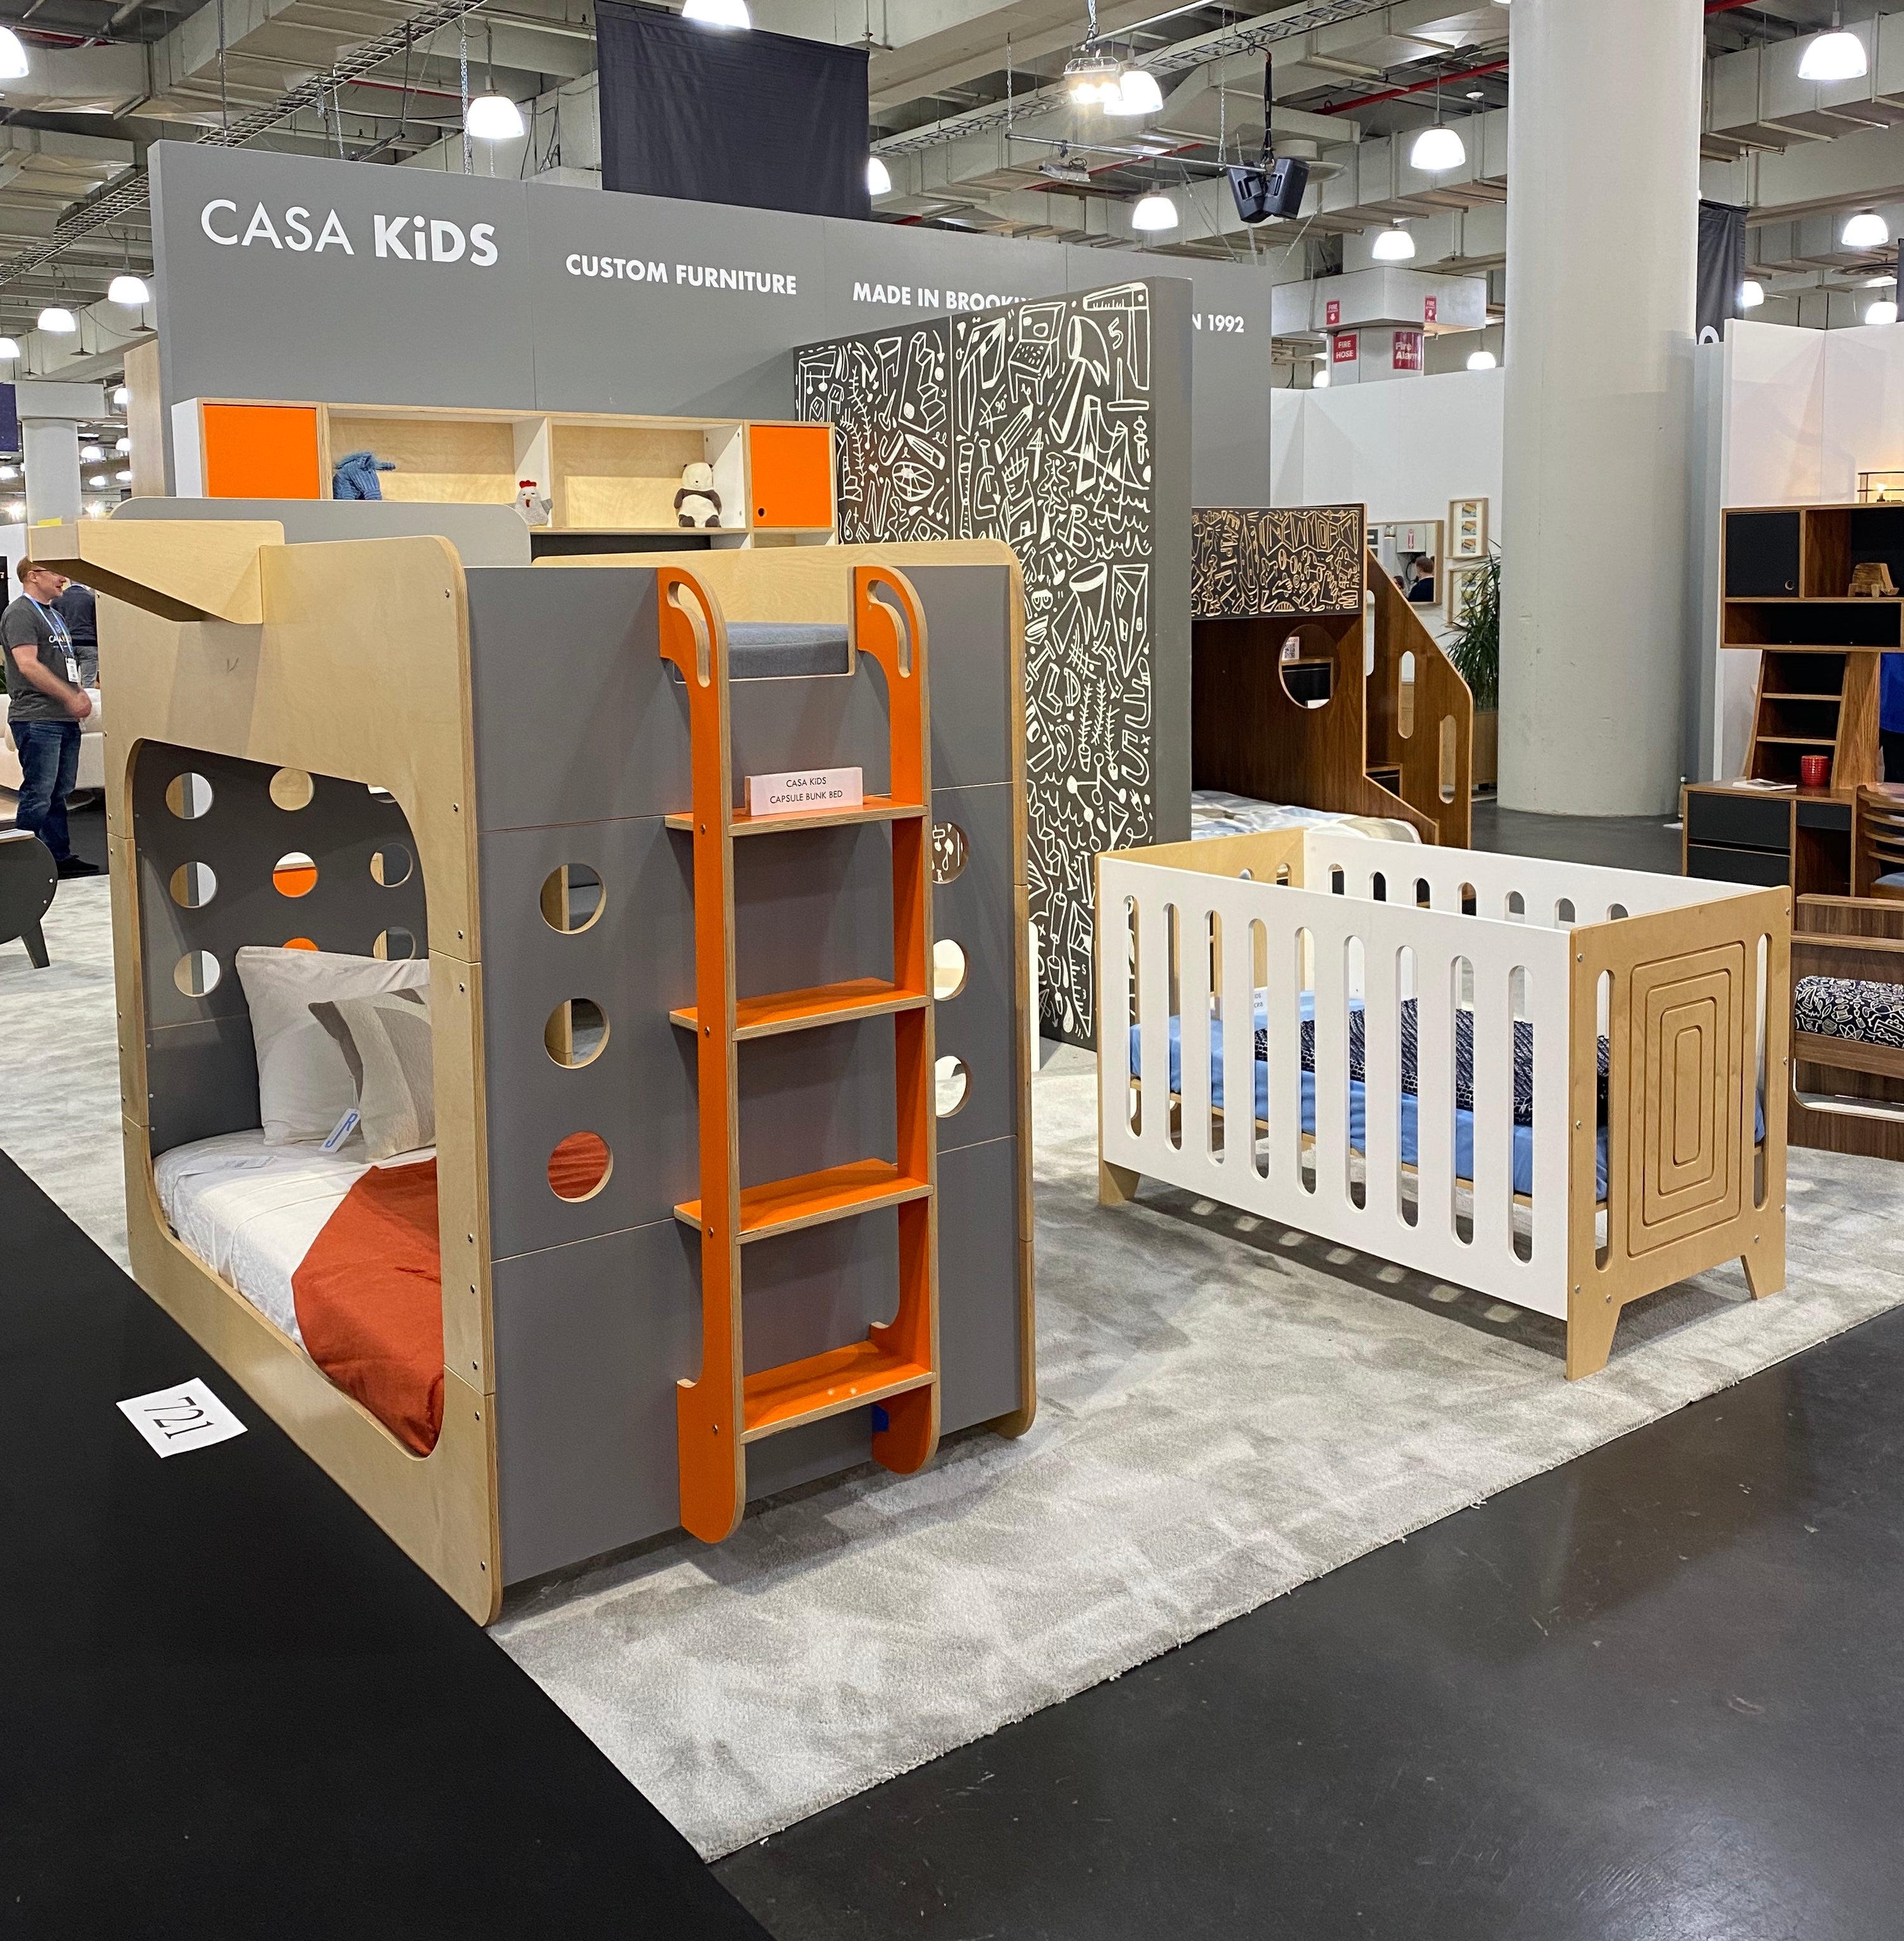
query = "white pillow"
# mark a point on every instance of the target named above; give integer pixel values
(305, 1085)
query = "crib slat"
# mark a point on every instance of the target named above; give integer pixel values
(1193, 1032)
(1493, 1109)
(1284, 985)
(1153, 996)
(1381, 1087)
(1239, 1048)
(1434, 1118)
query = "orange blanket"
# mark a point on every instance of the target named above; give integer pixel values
(369, 1299)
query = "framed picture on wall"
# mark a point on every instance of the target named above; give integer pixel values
(1462, 575)
(1468, 529)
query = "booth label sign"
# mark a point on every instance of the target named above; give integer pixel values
(189, 1417)
(806, 789)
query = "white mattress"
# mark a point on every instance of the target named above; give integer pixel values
(1216, 812)
(250, 1211)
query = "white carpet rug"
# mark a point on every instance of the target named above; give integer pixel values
(1224, 1415)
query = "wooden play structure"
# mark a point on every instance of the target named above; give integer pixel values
(669, 1037)
(603, 474)
(1314, 681)
(1562, 1085)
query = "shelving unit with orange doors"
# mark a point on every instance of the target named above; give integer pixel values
(603, 474)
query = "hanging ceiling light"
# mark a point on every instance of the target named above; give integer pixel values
(13, 55)
(1751, 294)
(1137, 94)
(121, 396)
(1876, 283)
(99, 483)
(879, 177)
(1881, 312)
(1393, 245)
(123, 447)
(1838, 56)
(1867, 229)
(718, 12)
(91, 454)
(1155, 212)
(124, 478)
(1437, 151)
(9, 351)
(1482, 360)
(495, 117)
(1320, 382)
(129, 290)
(58, 322)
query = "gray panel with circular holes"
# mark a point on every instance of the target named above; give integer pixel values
(201, 1069)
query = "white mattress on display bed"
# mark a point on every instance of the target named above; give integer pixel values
(250, 1211)
(1216, 812)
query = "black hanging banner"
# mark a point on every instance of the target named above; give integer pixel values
(1722, 268)
(729, 115)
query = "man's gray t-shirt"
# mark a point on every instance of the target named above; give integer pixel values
(25, 624)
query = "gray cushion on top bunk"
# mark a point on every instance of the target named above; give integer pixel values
(773, 650)
(1850, 1008)
(1894, 880)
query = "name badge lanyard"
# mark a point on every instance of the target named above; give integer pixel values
(62, 636)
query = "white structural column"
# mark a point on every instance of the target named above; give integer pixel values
(1602, 242)
(50, 416)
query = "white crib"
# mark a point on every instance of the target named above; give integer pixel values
(1688, 981)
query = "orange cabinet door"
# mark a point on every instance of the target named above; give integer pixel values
(262, 451)
(791, 467)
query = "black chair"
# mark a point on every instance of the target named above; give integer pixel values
(28, 880)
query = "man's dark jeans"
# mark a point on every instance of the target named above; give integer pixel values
(49, 764)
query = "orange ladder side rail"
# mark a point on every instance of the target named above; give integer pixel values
(910, 1434)
(708, 1409)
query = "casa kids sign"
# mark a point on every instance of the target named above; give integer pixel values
(411, 239)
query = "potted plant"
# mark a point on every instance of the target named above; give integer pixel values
(1474, 647)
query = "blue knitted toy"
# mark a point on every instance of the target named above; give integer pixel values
(356, 476)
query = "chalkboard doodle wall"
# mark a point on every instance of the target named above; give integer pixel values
(1050, 448)
(1246, 561)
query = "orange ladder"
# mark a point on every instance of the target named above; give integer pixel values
(896, 1366)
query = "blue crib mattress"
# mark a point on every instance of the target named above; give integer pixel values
(1523, 1146)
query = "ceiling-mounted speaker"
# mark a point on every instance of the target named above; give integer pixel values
(1277, 189)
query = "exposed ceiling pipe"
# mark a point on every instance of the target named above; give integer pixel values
(1418, 86)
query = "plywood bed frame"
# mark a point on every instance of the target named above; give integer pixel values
(1689, 981)
(521, 719)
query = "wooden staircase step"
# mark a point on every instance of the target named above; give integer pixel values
(823, 1385)
(812, 1198)
(808, 1009)
(876, 808)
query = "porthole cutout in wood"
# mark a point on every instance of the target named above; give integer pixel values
(291, 788)
(950, 849)
(950, 970)
(391, 865)
(571, 898)
(189, 795)
(193, 885)
(294, 874)
(579, 1166)
(576, 1032)
(951, 1085)
(197, 973)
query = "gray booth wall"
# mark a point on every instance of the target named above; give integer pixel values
(578, 300)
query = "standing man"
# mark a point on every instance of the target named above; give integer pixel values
(46, 702)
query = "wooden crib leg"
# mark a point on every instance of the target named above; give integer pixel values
(1590, 1324)
(1116, 1184)
(1764, 1270)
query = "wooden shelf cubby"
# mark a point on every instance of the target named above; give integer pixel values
(613, 476)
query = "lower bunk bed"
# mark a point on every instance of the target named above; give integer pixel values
(1559, 1085)
(1847, 1024)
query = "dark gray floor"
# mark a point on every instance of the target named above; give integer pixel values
(1618, 843)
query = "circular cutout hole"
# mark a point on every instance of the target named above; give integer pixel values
(378, 790)
(299, 943)
(193, 885)
(394, 944)
(292, 788)
(571, 898)
(951, 1085)
(576, 1032)
(579, 1166)
(1307, 675)
(294, 874)
(197, 973)
(188, 796)
(949, 970)
(391, 865)
(950, 849)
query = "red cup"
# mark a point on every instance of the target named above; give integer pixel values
(1814, 771)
